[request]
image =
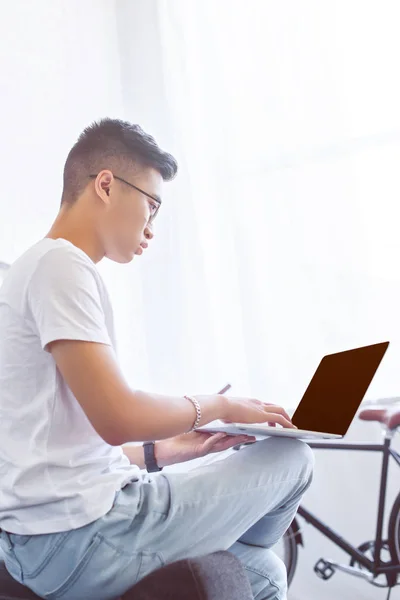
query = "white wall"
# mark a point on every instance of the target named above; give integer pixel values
(59, 70)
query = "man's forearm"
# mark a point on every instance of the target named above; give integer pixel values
(145, 417)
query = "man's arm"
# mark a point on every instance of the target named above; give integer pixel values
(66, 309)
(118, 413)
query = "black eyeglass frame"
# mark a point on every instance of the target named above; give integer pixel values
(154, 198)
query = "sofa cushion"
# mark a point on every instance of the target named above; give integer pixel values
(217, 576)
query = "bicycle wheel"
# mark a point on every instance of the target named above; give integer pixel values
(394, 532)
(287, 551)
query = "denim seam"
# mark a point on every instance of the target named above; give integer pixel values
(148, 553)
(257, 572)
(120, 509)
(139, 565)
(117, 549)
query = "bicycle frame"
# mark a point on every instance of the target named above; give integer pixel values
(376, 567)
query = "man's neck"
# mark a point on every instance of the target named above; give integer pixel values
(75, 229)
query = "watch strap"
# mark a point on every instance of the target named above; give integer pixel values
(150, 458)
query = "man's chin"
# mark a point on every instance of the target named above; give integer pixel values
(121, 259)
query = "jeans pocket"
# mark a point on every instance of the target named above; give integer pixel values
(102, 572)
(37, 551)
(27, 555)
(73, 578)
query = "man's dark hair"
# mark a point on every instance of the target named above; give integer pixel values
(116, 145)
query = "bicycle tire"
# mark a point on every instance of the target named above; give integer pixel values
(394, 532)
(290, 542)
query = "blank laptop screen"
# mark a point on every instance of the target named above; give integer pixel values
(337, 389)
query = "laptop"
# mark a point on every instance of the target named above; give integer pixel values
(330, 402)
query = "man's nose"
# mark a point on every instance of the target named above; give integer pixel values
(148, 233)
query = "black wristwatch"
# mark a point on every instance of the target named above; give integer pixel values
(150, 458)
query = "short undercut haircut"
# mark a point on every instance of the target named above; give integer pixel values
(116, 145)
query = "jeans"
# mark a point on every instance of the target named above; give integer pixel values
(242, 503)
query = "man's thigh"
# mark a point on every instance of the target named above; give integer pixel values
(211, 507)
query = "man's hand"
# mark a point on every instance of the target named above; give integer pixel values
(195, 445)
(251, 410)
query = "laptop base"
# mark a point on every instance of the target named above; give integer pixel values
(267, 431)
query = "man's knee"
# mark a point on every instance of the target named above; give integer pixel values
(301, 452)
(289, 452)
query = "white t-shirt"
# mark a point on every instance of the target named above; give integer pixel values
(56, 472)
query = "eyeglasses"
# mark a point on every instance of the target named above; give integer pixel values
(154, 208)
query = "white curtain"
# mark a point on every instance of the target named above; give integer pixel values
(279, 240)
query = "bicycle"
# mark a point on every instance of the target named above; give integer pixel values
(360, 564)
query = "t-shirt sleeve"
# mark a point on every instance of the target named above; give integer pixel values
(64, 299)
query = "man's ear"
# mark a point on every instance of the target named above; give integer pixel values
(103, 183)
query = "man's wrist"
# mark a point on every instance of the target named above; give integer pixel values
(212, 407)
(161, 454)
(150, 458)
(221, 404)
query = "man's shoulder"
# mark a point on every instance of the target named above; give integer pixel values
(51, 250)
(48, 252)
(48, 263)
(58, 258)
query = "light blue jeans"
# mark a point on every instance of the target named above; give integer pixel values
(243, 503)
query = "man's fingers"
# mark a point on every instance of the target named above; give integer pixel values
(274, 408)
(215, 437)
(277, 418)
(214, 440)
(270, 407)
(233, 440)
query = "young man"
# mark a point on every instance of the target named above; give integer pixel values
(79, 518)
